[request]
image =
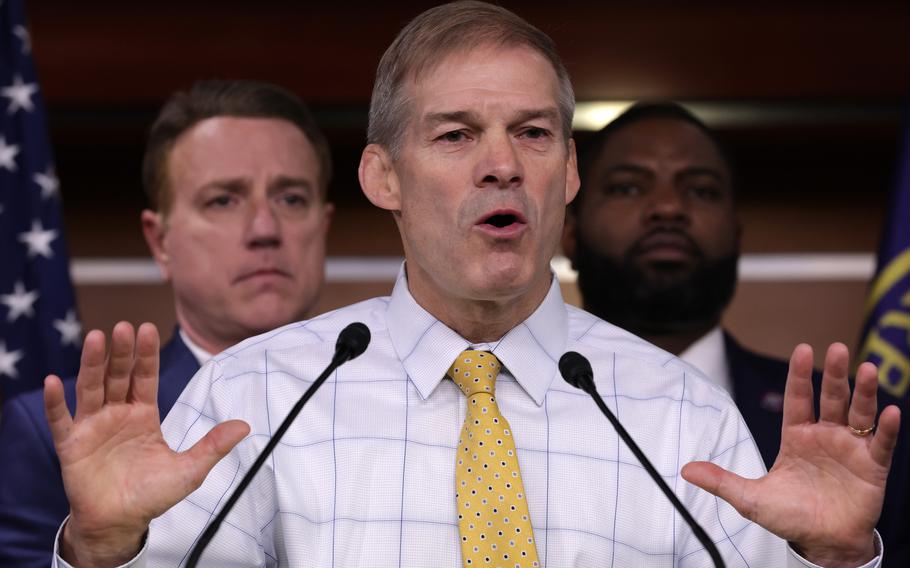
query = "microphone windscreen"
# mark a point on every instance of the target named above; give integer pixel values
(574, 367)
(353, 340)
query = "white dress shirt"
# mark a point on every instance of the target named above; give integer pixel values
(365, 476)
(709, 355)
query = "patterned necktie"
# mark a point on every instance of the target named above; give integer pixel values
(492, 510)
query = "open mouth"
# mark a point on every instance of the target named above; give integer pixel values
(502, 224)
(500, 221)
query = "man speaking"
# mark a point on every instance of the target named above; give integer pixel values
(452, 441)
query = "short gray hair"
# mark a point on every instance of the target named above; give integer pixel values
(438, 33)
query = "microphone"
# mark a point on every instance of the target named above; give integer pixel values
(351, 342)
(576, 370)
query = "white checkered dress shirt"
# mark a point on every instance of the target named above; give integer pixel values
(365, 477)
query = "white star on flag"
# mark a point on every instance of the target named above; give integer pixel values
(20, 95)
(20, 302)
(8, 360)
(39, 240)
(70, 329)
(48, 183)
(25, 38)
(8, 155)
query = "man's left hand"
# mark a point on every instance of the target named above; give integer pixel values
(825, 491)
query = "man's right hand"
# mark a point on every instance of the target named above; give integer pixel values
(118, 471)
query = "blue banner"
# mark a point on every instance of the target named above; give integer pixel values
(39, 330)
(886, 335)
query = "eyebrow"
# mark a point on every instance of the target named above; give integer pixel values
(435, 118)
(628, 168)
(239, 184)
(685, 173)
(544, 113)
(468, 117)
(233, 185)
(284, 182)
(701, 171)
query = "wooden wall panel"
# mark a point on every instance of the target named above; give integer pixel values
(122, 52)
(772, 317)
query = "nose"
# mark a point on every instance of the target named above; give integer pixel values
(500, 166)
(264, 225)
(667, 203)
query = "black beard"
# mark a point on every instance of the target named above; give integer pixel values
(664, 299)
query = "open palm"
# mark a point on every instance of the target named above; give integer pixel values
(824, 492)
(118, 471)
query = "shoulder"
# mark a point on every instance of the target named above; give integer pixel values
(28, 404)
(23, 423)
(638, 365)
(252, 379)
(300, 349)
(322, 329)
(742, 359)
(662, 399)
(31, 403)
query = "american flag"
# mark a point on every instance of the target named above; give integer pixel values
(39, 330)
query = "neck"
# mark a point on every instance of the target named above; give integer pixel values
(677, 341)
(204, 342)
(201, 337)
(479, 320)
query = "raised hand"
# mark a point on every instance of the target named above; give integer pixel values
(118, 471)
(825, 491)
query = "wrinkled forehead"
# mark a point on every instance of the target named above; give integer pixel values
(485, 77)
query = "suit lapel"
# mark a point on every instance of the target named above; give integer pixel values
(177, 368)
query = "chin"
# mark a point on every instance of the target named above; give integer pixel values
(504, 281)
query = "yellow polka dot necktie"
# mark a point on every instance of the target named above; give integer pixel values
(492, 509)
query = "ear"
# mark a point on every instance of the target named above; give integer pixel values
(154, 230)
(573, 182)
(378, 179)
(569, 239)
(328, 209)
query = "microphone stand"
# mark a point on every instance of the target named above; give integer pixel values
(576, 370)
(352, 341)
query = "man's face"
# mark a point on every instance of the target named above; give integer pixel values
(656, 235)
(482, 178)
(244, 242)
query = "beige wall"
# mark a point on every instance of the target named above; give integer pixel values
(770, 317)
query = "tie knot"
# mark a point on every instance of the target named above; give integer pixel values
(475, 372)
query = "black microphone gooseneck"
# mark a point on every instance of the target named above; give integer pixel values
(352, 341)
(576, 370)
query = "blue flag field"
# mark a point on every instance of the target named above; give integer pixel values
(39, 330)
(886, 335)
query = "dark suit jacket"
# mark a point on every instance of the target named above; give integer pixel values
(758, 389)
(32, 500)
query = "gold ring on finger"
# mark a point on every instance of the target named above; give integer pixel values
(862, 432)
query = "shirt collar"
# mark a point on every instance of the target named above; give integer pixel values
(427, 347)
(709, 355)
